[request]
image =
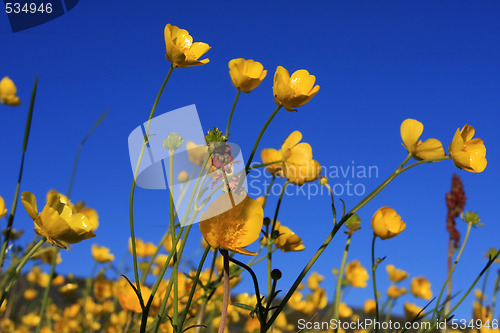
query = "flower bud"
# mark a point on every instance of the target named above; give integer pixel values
(276, 274)
(173, 142)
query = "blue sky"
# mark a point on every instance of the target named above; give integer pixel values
(377, 63)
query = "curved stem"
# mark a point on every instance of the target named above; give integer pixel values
(375, 294)
(231, 113)
(451, 272)
(327, 241)
(270, 242)
(19, 267)
(338, 290)
(256, 145)
(468, 291)
(132, 189)
(495, 292)
(12, 213)
(193, 288)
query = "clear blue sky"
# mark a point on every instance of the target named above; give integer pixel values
(377, 62)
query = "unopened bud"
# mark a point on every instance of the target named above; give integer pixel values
(276, 274)
(323, 181)
(173, 142)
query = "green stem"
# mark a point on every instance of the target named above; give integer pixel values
(193, 288)
(79, 150)
(256, 145)
(434, 314)
(46, 291)
(132, 190)
(270, 241)
(12, 213)
(495, 292)
(268, 191)
(388, 311)
(431, 160)
(68, 194)
(327, 241)
(375, 294)
(19, 267)
(231, 113)
(338, 290)
(467, 292)
(483, 289)
(265, 164)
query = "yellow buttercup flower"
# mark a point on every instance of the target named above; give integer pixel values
(297, 160)
(30, 294)
(412, 310)
(3, 210)
(421, 287)
(103, 288)
(287, 239)
(181, 51)
(128, 298)
(232, 228)
(8, 92)
(246, 75)
(395, 275)
(395, 292)
(295, 91)
(386, 223)
(142, 249)
(411, 130)
(356, 274)
(314, 280)
(58, 222)
(47, 253)
(468, 153)
(101, 254)
(344, 310)
(369, 307)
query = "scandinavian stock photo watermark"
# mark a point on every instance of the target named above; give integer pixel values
(345, 180)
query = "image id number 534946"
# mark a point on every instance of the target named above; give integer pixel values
(17, 8)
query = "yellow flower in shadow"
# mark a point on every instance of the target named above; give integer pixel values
(128, 298)
(101, 254)
(181, 51)
(30, 294)
(8, 92)
(58, 222)
(412, 310)
(386, 223)
(142, 249)
(356, 274)
(395, 275)
(232, 227)
(369, 307)
(287, 239)
(314, 280)
(468, 153)
(246, 75)
(297, 160)
(295, 91)
(411, 130)
(421, 287)
(3, 210)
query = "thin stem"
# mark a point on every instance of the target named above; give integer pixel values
(451, 247)
(193, 288)
(495, 292)
(231, 113)
(225, 299)
(46, 291)
(79, 150)
(270, 241)
(451, 272)
(338, 290)
(430, 160)
(132, 190)
(19, 267)
(375, 294)
(268, 191)
(265, 164)
(483, 289)
(468, 291)
(12, 213)
(327, 241)
(256, 145)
